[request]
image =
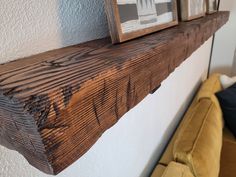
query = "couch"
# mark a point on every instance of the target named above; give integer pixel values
(201, 146)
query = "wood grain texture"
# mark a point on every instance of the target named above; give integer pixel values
(55, 106)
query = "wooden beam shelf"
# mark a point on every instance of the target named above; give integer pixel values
(54, 106)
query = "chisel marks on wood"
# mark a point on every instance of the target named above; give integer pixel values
(67, 93)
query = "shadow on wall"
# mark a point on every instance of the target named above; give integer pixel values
(170, 130)
(81, 20)
(234, 64)
(223, 70)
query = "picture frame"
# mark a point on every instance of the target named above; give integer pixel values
(211, 6)
(192, 9)
(129, 19)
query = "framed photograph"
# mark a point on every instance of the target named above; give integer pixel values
(192, 9)
(129, 19)
(211, 6)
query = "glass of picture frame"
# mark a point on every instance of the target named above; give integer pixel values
(191, 9)
(211, 6)
(129, 19)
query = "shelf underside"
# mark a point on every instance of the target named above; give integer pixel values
(54, 106)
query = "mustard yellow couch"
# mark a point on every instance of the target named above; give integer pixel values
(201, 145)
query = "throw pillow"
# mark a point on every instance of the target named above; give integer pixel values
(227, 81)
(227, 99)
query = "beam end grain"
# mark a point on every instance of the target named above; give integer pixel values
(54, 106)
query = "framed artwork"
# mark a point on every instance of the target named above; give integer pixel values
(211, 6)
(129, 19)
(192, 9)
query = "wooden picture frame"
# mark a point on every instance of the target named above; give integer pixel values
(211, 6)
(192, 9)
(129, 19)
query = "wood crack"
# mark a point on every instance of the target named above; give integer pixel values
(116, 106)
(96, 113)
(128, 96)
(67, 92)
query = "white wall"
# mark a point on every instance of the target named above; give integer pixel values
(130, 148)
(225, 42)
(30, 27)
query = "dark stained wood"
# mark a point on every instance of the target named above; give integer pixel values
(55, 106)
(155, 89)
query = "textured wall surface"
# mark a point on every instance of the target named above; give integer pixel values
(30, 27)
(225, 42)
(130, 148)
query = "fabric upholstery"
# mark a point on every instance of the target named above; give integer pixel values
(158, 171)
(228, 135)
(199, 141)
(202, 155)
(228, 155)
(177, 170)
(167, 156)
(209, 88)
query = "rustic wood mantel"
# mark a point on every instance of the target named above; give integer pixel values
(54, 106)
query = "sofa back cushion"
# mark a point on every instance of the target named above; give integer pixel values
(177, 170)
(199, 142)
(209, 87)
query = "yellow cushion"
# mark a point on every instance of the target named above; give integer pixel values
(158, 171)
(209, 88)
(199, 142)
(167, 157)
(177, 170)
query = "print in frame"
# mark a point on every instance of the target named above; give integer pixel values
(129, 19)
(211, 6)
(192, 9)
